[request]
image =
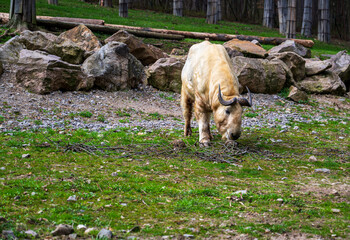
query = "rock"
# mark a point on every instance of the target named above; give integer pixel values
(188, 236)
(322, 170)
(72, 198)
(165, 74)
(37, 40)
(294, 62)
(297, 95)
(291, 46)
(241, 192)
(341, 66)
(105, 234)
(114, 68)
(313, 67)
(42, 73)
(260, 75)
(62, 229)
(326, 83)
(279, 200)
(256, 42)
(248, 49)
(89, 230)
(81, 227)
(8, 234)
(9, 52)
(335, 210)
(83, 37)
(177, 51)
(72, 236)
(2, 168)
(312, 159)
(114, 174)
(31, 234)
(260, 168)
(26, 155)
(146, 53)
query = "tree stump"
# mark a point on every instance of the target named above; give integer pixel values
(178, 8)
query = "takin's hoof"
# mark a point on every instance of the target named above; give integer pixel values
(231, 143)
(204, 144)
(188, 132)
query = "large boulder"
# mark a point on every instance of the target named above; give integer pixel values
(324, 83)
(9, 52)
(291, 46)
(146, 53)
(42, 73)
(83, 37)
(297, 95)
(341, 66)
(37, 40)
(114, 68)
(313, 67)
(260, 75)
(247, 48)
(295, 63)
(165, 74)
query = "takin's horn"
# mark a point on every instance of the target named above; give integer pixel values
(224, 102)
(243, 101)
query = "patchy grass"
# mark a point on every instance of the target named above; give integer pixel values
(159, 183)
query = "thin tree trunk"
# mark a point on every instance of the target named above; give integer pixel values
(307, 19)
(219, 14)
(291, 19)
(106, 3)
(324, 28)
(212, 12)
(178, 8)
(268, 13)
(52, 2)
(282, 6)
(123, 8)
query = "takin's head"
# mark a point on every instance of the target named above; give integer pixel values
(228, 116)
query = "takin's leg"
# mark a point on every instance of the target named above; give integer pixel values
(203, 119)
(187, 106)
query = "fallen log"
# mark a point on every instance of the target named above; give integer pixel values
(217, 36)
(108, 29)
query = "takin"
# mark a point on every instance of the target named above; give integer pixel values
(210, 86)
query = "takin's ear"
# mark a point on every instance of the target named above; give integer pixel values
(200, 101)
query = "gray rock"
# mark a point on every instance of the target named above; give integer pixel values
(279, 200)
(62, 229)
(291, 46)
(247, 48)
(2, 168)
(9, 52)
(72, 198)
(341, 66)
(313, 67)
(81, 227)
(8, 234)
(114, 68)
(240, 192)
(165, 74)
(105, 234)
(31, 234)
(260, 75)
(42, 73)
(36, 40)
(297, 95)
(322, 170)
(73, 236)
(326, 83)
(188, 236)
(27, 155)
(89, 230)
(256, 42)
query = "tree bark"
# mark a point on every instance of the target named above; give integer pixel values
(106, 3)
(219, 14)
(282, 6)
(212, 12)
(123, 8)
(22, 14)
(324, 28)
(178, 8)
(268, 13)
(291, 19)
(52, 2)
(307, 19)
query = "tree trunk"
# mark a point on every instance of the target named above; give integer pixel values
(22, 14)
(123, 8)
(268, 13)
(178, 8)
(212, 12)
(291, 19)
(324, 28)
(307, 19)
(106, 3)
(53, 2)
(219, 14)
(282, 6)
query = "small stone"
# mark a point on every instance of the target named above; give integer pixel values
(335, 210)
(123, 204)
(188, 236)
(284, 178)
(313, 132)
(2, 168)
(241, 192)
(26, 155)
(279, 200)
(89, 230)
(62, 229)
(72, 198)
(81, 227)
(260, 169)
(322, 170)
(312, 158)
(295, 127)
(105, 234)
(114, 174)
(73, 236)
(33, 193)
(8, 234)
(31, 233)
(132, 238)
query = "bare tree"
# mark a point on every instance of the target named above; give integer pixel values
(282, 6)
(307, 19)
(324, 26)
(268, 13)
(52, 2)
(291, 19)
(212, 12)
(22, 14)
(123, 8)
(178, 8)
